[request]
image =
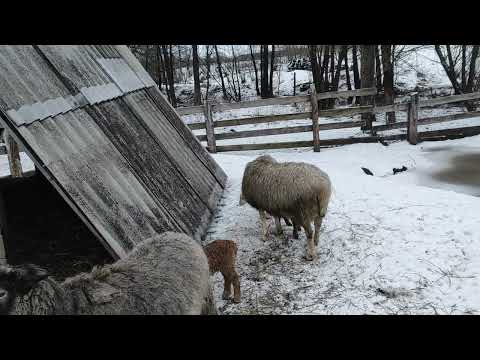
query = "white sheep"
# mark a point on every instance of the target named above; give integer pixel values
(291, 190)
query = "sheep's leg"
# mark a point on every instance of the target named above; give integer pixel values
(278, 226)
(296, 228)
(236, 287)
(263, 221)
(227, 286)
(287, 222)
(318, 224)
(311, 253)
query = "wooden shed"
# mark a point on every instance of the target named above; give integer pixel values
(108, 142)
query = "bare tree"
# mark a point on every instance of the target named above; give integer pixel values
(272, 66)
(197, 96)
(356, 75)
(167, 60)
(458, 77)
(378, 70)
(389, 94)
(317, 77)
(220, 73)
(255, 69)
(367, 80)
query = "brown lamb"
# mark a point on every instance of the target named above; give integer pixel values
(221, 256)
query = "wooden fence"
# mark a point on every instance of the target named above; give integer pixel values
(411, 107)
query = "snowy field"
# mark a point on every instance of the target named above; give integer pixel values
(390, 244)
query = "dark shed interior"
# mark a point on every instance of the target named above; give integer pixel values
(39, 227)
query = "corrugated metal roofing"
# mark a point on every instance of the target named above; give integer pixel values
(93, 121)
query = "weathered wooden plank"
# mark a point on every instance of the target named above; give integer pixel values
(429, 120)
(463, 131)
(346, 111)
(253, 120)
(315, 129)
(347, 94)
(283, 100)
(279, 145)
(449, 99)
(260, 132)
(412, 119)
(298, 144)
(282, 131)
(189, 110)
(210, 127)
(14, 161)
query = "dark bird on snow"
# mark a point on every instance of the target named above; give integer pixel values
(366, 171)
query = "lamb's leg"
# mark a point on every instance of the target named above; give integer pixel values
(287, 222)
(227, 286)
(318, 224)
(263, 221)
(278, 226)
(236, 287)
(311, 253)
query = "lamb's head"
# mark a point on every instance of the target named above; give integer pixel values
(17, 281)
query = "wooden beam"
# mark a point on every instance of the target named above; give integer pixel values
(412, 119)
(257, 133)
(346, 94)
(13, 156)
(254, 120)
(315, 129)
(210, 127)
(429, 120)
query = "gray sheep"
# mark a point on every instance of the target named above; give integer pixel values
(168, 274)
(291, 190)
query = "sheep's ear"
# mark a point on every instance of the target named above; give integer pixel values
(25, 277)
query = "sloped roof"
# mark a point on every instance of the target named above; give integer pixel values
(95, 124)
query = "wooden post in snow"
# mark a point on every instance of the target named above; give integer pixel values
(315, 128)
(207, 109)
(412, 135)
(3, 255)
(13, 155)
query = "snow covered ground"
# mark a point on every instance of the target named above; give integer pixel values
(390, 244)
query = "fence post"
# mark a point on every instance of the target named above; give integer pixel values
(13, 155)
(314, 102)
(412, 135)
(207, 110)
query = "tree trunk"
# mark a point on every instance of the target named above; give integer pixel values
(207, 63)
(169, 70)
(389, 94)
(378, 69)
(464, 64)
(356, 76)
(255, 69)
(220, 73)
(317, 80)
(197, 96)
(471, 76)
(159, 67)
(264, 72)
(272, 60)
(347, 73)
(448, 69)
(367, 74)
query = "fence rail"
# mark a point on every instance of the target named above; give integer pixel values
(411, 107)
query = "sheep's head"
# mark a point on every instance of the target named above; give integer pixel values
(17, 281)
(265, 159)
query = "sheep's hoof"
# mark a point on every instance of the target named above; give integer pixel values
(225, 296)
(236, 300)
(310, 257)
